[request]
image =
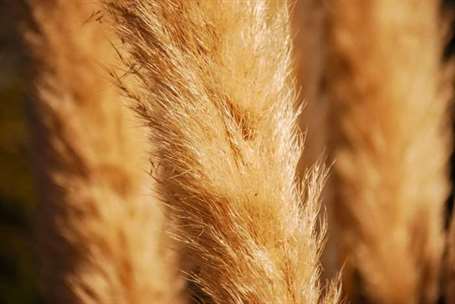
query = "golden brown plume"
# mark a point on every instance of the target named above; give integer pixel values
(388, 96)
(217, 95)
(101, 228)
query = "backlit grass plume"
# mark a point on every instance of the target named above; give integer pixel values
(217, 95)
(101, 229)
(389, 99)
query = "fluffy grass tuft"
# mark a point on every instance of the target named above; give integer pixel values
(389, 97)
(218, 98)
(101, 229)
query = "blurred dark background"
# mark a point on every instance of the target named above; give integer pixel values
(18, 266)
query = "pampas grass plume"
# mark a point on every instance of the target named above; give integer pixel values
(101, 228)
(218, 98)
(389, 98)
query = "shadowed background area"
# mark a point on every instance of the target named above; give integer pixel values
(18, 268)
(18, 265)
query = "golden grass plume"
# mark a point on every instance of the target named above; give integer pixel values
(389, 97)
(219, 100)
(101, 228)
